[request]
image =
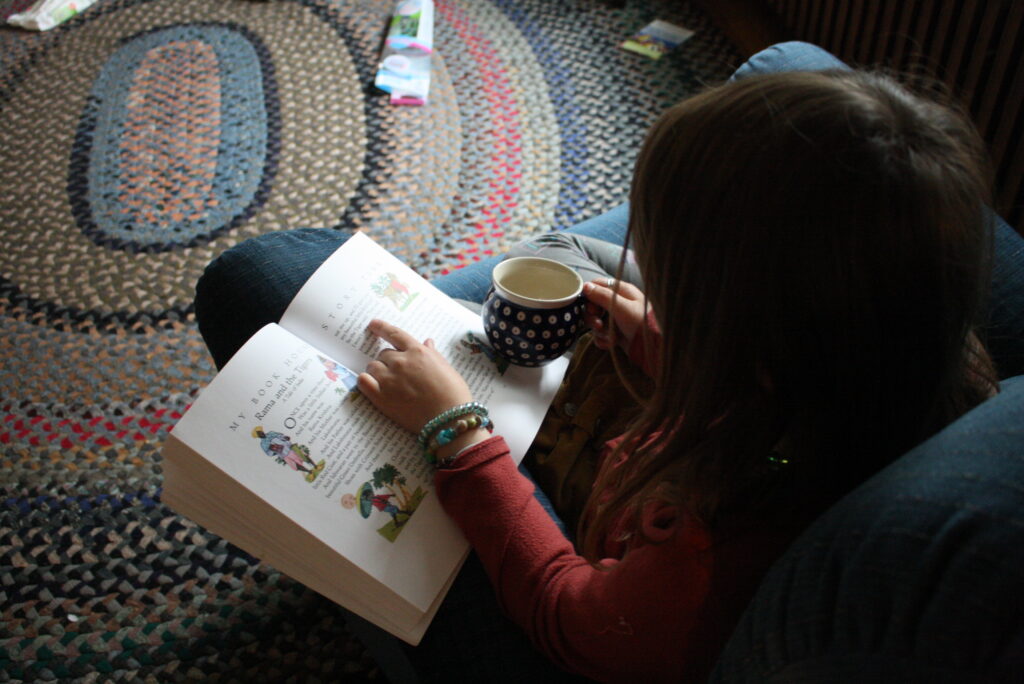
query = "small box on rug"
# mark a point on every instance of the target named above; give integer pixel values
(657, 39)
(404, 69)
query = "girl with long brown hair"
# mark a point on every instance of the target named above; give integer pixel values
(811, 261)
(814, 257)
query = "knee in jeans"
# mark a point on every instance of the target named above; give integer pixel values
(207, 287)
(547, 240)
(223, 273)
(561, 238)
(263, 273)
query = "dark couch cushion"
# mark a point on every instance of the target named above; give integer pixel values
(917, 575)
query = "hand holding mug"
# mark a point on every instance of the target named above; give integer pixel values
(627, 313)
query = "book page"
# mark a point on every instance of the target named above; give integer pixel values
(362, 281)
(283, 419)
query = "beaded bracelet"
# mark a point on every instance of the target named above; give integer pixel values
(445, 417)
(448, 434)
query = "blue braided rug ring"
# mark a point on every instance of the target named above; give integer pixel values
(173, 146)
(144, 137)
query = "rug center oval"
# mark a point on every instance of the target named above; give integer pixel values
(173, 140)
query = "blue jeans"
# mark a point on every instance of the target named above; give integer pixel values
(252, 284)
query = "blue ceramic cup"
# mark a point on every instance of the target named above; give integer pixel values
(534, 310)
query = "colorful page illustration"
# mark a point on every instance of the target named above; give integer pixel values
(274, 420)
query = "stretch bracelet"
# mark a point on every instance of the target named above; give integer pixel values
(447, 435)
(445, 417)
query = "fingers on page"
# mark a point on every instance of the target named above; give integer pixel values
(391, 334)
(368, 384)
(375, 368)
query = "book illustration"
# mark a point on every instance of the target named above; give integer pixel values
(335, 372)
(478, 346)
(397, 501)
(296, 456)
(390, 287)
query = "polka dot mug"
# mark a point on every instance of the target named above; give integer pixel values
(534, 310)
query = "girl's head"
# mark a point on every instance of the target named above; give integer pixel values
(814, 247)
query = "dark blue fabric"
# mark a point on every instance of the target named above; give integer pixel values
(252, 284)
(915, 576)
(1004, 334)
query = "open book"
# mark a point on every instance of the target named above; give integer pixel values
(281, 456)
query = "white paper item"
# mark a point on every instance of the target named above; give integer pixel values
(406, 77)
(46, 14)
(404, 70)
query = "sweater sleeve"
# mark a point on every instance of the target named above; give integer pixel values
(651, 614)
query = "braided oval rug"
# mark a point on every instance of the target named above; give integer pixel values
(142, 138)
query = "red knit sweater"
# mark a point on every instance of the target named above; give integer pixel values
(657, 611)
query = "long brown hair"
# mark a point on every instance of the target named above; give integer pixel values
(814, 248)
